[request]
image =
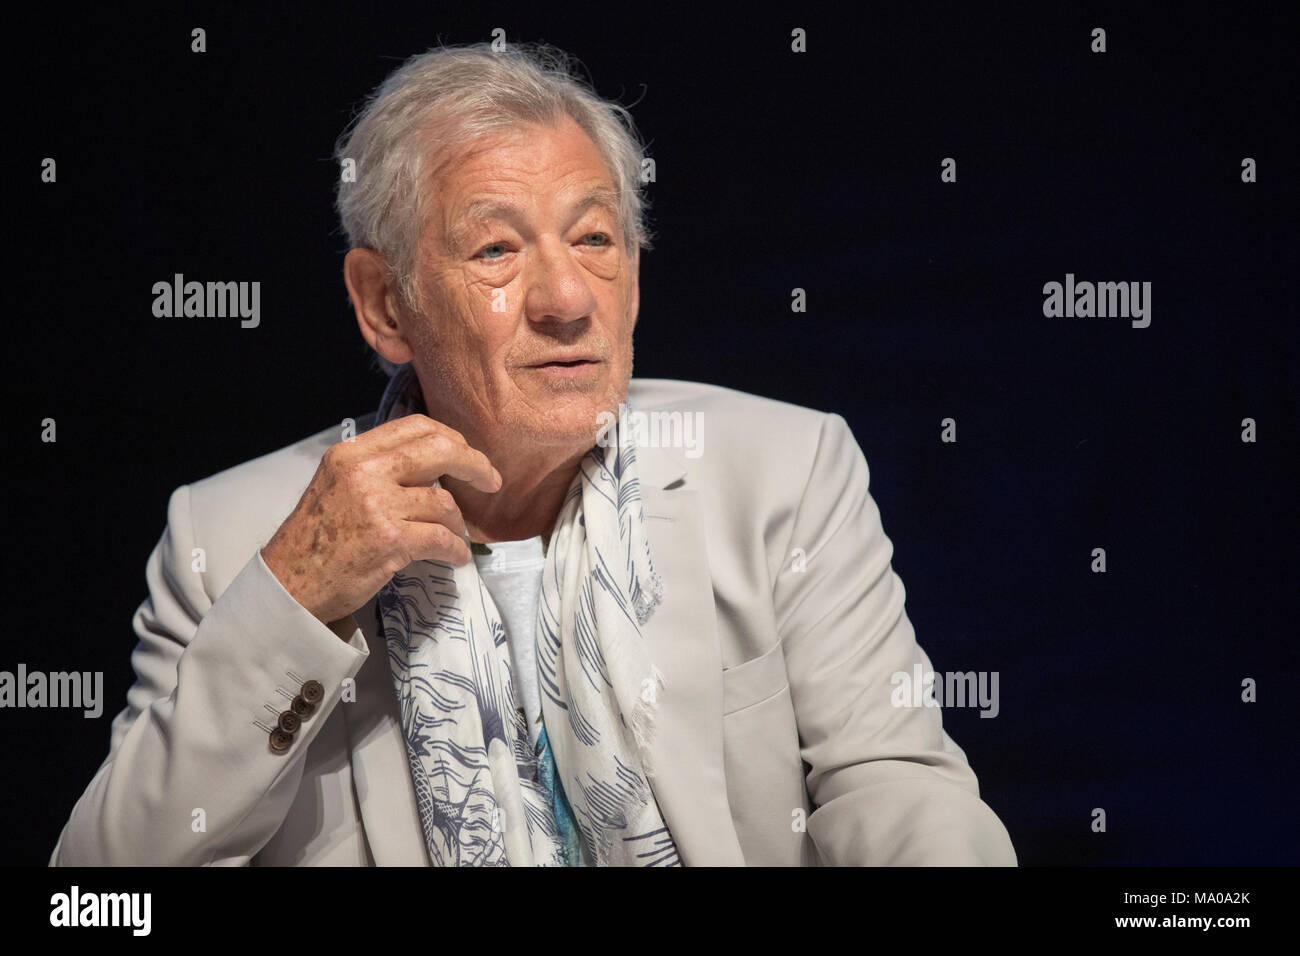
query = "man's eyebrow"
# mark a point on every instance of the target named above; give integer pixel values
(480, 211)
(472, 216)
(600, 196)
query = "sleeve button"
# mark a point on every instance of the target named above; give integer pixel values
(290, 722)
(313, 692)
(300, 707)
(280, 740)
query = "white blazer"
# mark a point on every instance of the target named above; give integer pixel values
(777, 741)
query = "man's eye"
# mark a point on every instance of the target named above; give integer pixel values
(486, 251)
(604, 237)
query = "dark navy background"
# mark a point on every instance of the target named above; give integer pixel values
(775, 170)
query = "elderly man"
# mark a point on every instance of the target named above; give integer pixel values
(503, 623)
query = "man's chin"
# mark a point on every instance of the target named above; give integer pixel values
(571, 439)
(562, 417)
(575, 426)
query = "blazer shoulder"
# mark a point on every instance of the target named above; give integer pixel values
(755, 456)
(740, 426)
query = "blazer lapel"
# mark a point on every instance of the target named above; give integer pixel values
(381, 770)
(689, 779)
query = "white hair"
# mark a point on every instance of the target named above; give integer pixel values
(439, 101)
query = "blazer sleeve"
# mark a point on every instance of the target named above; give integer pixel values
(186, 741)
(887, 784)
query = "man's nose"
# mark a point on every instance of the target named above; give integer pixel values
(556, 288)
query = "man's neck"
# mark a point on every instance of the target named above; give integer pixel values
(531, 495)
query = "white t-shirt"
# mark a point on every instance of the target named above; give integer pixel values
(512, 573)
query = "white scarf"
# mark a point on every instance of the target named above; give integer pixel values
(485, 798)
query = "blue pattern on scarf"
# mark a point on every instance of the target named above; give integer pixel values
(566, 823)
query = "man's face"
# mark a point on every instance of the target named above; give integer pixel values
(530, 296)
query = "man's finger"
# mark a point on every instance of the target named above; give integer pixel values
(426, 458)
(433, 505)
(435, 542)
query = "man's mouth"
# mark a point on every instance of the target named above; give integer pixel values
(582, 369)
(565, 363)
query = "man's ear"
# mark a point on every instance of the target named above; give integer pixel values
(366, 275)
(636, 286)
